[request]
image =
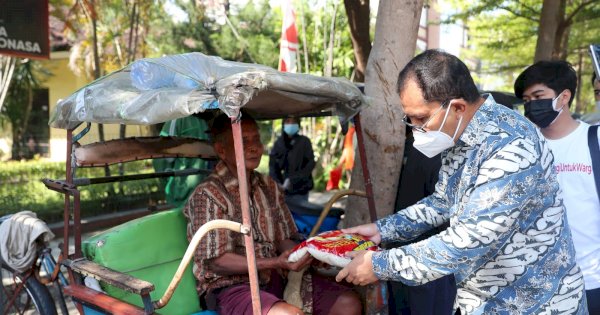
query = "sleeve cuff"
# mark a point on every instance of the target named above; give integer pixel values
(380, 264)
(385, 237)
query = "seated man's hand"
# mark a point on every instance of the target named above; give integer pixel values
(369, 231)
(360, 270)
(293, 266)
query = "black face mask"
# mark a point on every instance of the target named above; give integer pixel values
(541, 112)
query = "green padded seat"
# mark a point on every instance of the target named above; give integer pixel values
(148, 248)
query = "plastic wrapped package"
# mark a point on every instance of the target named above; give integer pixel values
(115, 100)
(156, 90)
(331, 247)
(148, 75)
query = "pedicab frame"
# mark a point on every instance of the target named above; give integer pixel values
(209, 83)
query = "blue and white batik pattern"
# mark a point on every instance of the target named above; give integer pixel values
(508, 245)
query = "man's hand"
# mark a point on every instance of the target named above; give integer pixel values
(369, 231)
(295, 266)
(360, 270)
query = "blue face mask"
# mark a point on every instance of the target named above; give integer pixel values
(291, 129)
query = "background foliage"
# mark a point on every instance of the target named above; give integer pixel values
(501, 42)
(21, 188)
(127, 30)
(502, 39)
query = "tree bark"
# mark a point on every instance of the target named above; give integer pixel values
(304, 42)
(20, 126)
(383, 130)
(561, 39)
(580, 105)
(97, 73)
(329, 63)
(549, 21)
(134, 18)
(359, 16)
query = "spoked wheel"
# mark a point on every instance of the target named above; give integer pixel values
(24, 294)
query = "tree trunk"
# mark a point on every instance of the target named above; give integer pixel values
(383, 130)
(359, 16)
(131, 50)
(561, 40)
(329, 44)
(97, 74)
(580, 106)
(304, 43)
(562, 51)
(549, 21)
(19, 126)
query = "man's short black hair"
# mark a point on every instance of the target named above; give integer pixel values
(440, 76)
(594, 78)
(222, 124)
(556, 74)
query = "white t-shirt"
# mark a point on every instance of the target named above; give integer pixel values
(573, 164)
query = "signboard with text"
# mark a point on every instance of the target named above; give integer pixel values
(24, 28)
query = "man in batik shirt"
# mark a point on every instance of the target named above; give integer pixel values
(508, 245)
(220, 261)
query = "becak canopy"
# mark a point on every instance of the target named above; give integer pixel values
(331, 247)
(155, 90)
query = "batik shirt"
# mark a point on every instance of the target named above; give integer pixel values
(508, 245)
(218, 198)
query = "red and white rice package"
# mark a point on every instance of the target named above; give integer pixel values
(331, 247)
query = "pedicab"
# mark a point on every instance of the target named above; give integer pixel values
(140, 264)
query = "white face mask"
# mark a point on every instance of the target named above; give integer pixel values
(598, 106)
(432, 143)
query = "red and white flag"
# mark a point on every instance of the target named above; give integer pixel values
(288, 51)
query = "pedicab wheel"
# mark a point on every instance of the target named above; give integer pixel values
(24, 297)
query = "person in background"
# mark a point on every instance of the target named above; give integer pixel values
(593, 118)
(548, 89)
(178, 188)
(508, 243)
(291, 162)
(220, 259)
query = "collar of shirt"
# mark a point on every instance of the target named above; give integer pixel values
(475, 132)
(231, 182)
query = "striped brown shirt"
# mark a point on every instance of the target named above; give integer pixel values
(218, 198)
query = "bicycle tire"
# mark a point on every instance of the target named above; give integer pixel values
(39, 294)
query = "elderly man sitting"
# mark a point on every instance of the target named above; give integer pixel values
(220, 262)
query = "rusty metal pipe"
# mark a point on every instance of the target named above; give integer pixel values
(330, 203)
(236, 127)
(365, 168)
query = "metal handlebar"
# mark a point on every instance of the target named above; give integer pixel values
(189, 253)
(330, 203)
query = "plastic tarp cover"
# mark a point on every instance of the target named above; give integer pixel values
(155, 90)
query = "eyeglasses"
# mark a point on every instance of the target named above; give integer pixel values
(421, 128)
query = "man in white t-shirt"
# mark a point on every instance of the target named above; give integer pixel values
(548, 88)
